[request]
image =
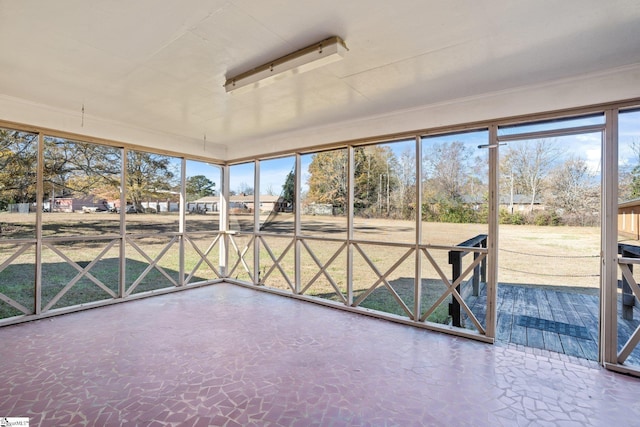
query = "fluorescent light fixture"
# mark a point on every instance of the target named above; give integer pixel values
(309, 58)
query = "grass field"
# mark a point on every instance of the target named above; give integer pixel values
(532, 255)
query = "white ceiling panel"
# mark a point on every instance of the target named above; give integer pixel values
(159, 66)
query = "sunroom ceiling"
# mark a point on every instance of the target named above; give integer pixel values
(151, 72)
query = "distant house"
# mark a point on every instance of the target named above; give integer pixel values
(520, 204)
(273, 204)
(240, 203)
(473, 200)
(204, 205)
(267, 203)
(628, 218)
(74, 204)
(318, 209)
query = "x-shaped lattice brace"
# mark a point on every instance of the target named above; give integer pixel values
(635, 337)
(241, 256)
(323, 270)
(276, 263)
(13, 303)
(82, 272)
(382, 278)
(153, 263)
(204, 257)
(451, 289)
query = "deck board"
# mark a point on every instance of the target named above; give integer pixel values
(552, 342)
(535, 337)
(503, 328)
(581, 310)
(551, 339)
(518, 333)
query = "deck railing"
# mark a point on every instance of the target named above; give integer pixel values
(479, 273)
(628, 299)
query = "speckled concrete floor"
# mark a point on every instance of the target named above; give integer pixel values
(228, 356)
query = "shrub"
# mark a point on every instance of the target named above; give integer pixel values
(482, 215)
(504, 217)
(449, 211)
(546, 218)
(515, 218)
(518, 219)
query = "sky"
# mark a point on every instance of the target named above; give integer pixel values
(585, 146)
(628, 132)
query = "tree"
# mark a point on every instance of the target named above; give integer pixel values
(18, 161)
(199, 186)
(574, 192)
(374, 175)
(529, 163)
(70, 168)
(245, 189)
(446, 169)
(148, 175)
(289, 189)
(328, 178)
(78, 169)
(453, 183)
(629, 181)
(375, 179)
(635, 183)
(405, 196)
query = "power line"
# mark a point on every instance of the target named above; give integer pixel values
(549, 275)
(550, 256)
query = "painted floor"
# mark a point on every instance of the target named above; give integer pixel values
(224, 355)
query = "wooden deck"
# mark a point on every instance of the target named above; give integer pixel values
(562, 322)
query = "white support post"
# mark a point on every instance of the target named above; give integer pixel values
(182, 218)
(256, 222)
(296, 223)
(39, 197)
(418, 255)
(492, 239)
(224, 221)
(123, 225)
(349, 209)
(608, 336)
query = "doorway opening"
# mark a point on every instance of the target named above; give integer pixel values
(550, 186)
(550, 238)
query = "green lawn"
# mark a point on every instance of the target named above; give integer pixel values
(550, 256)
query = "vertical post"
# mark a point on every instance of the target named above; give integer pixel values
(483, 263)
(39, 197)
(608, 337)
(417, 306)
(492, 238)
(224, 221)
(476, 276)
(388, 195)
(349, 211)
(122, 286)
(182, 217)
(628, 300)
(297, 187)
(455, 259)
(256, 222)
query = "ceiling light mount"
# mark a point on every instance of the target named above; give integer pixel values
(311, 57)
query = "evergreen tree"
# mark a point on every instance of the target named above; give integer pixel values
(199, 186)
(289, 189)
